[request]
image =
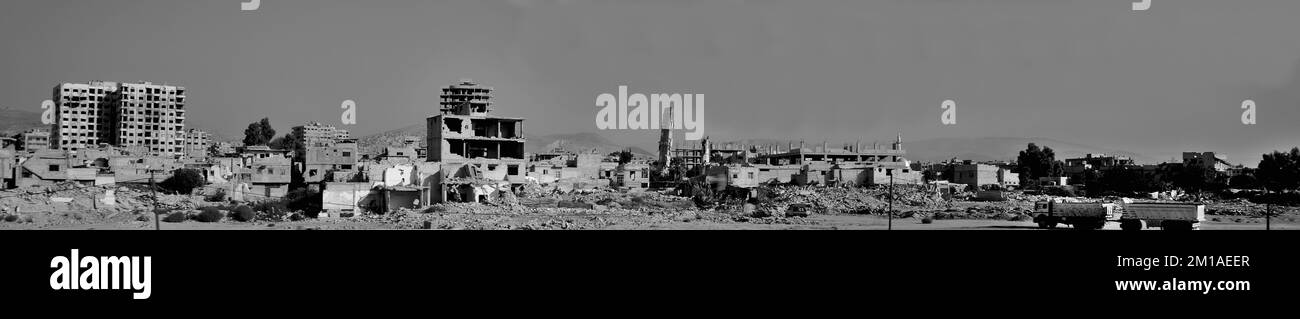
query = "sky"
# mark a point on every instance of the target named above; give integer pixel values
(1155, 82)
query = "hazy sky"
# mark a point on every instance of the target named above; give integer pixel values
(1155, 82)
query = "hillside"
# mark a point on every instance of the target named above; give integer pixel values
(16, 121)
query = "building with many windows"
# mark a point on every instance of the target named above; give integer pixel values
(143, 117)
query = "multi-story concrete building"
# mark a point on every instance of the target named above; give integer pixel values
(976, 175)
(197, 143)
(138, 116)
(328, 153)
(466, 94)
(337, 161)
(34, 139)
(479, 153)
(84, 114)
(263, 174)
(317, 134)
(150, 117)
(1209, 160)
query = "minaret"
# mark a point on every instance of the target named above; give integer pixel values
(666, 140)
(707, 148)
(898, 145)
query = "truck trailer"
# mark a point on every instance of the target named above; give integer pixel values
(1083, 216)
(1167, 216)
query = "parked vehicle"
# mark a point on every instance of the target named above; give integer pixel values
(1167, 216)
(1083, 216)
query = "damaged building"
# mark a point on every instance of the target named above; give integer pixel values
(479, 153)
(851, 165)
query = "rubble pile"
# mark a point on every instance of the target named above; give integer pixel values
(69, 203)
(994, 212)
(1246, 208)
(836, 200)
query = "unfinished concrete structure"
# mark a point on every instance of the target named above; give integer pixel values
(315, 134)
(1208, 160)
(145, 116)
(335, 162)
(851, 165)
(84, 114)
(262, 174)
(196, 144)
(479, 153)
(34, 139)
(977, 175)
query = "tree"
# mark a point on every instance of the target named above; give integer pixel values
(259, 133)
(183, 181)
(1243, 181)
(1122, 180)
(1035, 162)
(289, 141)
(624, 156)
(1280, 170)
(1196, 178)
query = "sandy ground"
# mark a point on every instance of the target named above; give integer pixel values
(816, 222)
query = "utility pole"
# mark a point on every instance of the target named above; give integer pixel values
(891, 199)
(1268, 212)
(157, 224)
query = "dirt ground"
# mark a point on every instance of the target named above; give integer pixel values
(815, 222)
(828, 208)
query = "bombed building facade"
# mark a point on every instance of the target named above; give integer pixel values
(479, 153)
(751, 166)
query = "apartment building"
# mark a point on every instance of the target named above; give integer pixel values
(142, 116)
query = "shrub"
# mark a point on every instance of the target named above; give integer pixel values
(11, 218)
(176, 217)
(209, 215)
(272, 215)
(243, 213)
(219, 196)
(183, 181)
(927, 220)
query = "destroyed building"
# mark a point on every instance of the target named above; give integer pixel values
(479, 153)
(262, 174)
(851, 165)
(704, 153)
(196, 144)
(633, 176)
(325, 153)
(976, 175)
(143, 116)
(562, 165)
(34, 139)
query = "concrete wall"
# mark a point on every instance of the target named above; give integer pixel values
(401, 199)
(348, 197)
(975, 175)
(255, 192)
(879, 176)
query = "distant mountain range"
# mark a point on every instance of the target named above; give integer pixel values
(16, 121)
(578, 142)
